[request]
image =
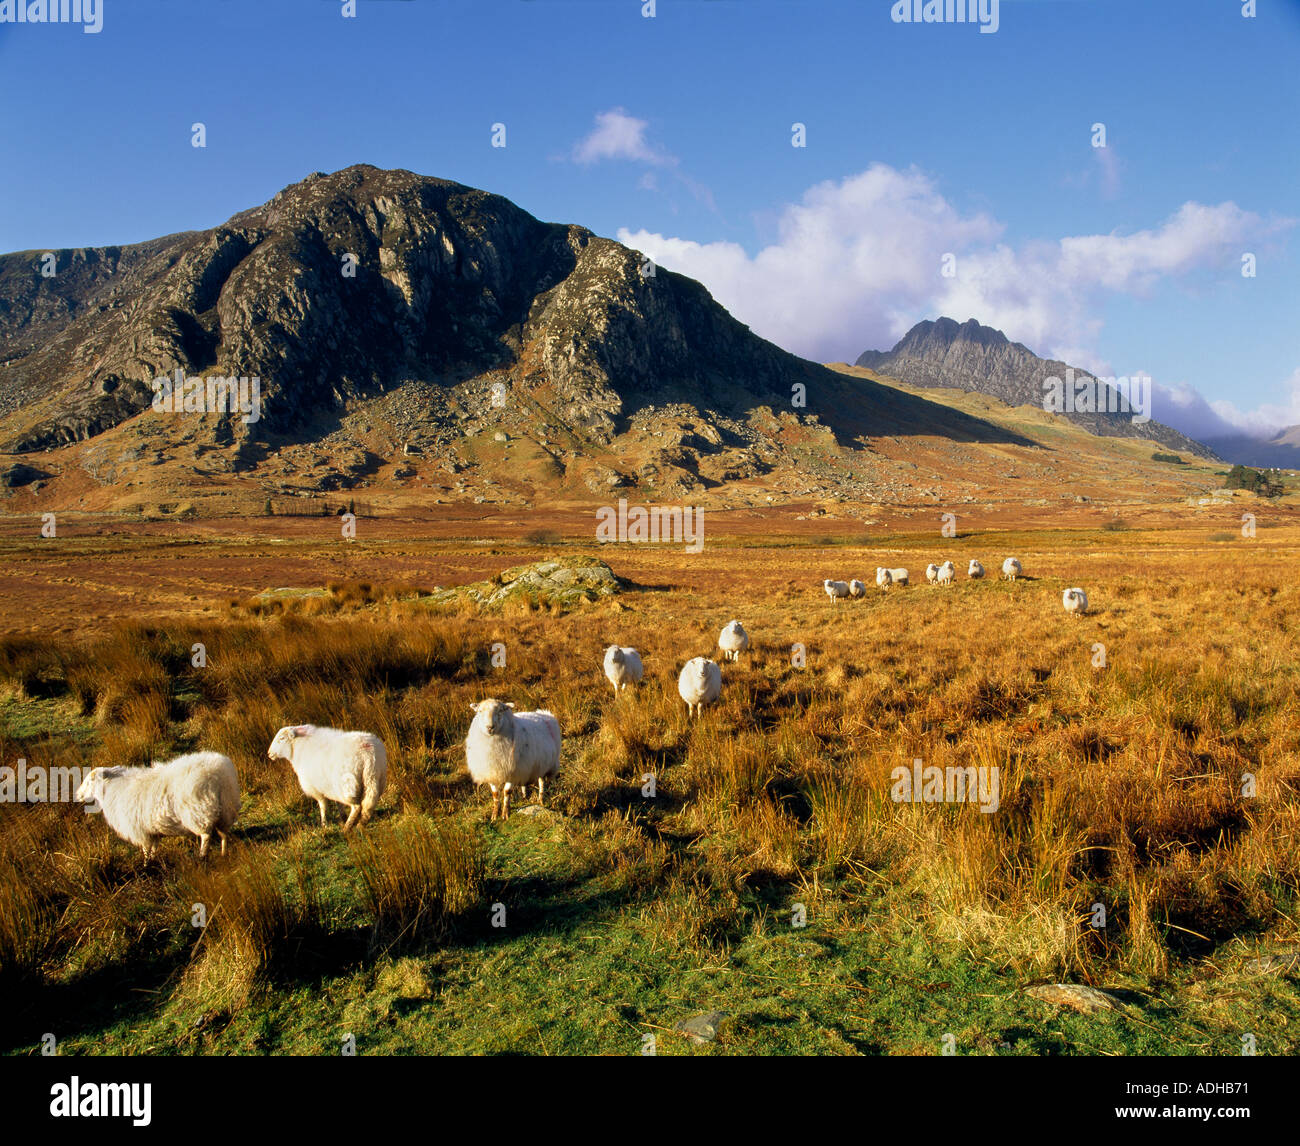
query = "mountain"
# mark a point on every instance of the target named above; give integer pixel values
(1282, 451)
(403, 329)
(968, 356)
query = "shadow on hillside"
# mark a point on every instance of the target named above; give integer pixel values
(858, 407)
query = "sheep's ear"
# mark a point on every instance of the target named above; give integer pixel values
(474, 707)
(302, 730)
(509, 705)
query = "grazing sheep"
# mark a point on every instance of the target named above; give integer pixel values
(932, 572)
(197, 793)
(836, 590)
(733, 640)
(700, 683)
(1075, 601)
(506, 749)
(887, 577)
(622, 667)
(947, 573)
(347, 767)
(975, 571)
(857, 589)
(1011, 569)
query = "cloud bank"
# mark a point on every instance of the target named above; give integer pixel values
(856, 262)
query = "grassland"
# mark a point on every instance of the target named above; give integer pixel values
(1121, 785)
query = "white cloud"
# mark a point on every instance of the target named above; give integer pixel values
(857, 262)
(618, 135)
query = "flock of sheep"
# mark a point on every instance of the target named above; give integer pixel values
(1075, 600)
(198, 794)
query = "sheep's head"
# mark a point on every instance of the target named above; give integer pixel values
(91, 785)
(498, 715)
(282, 746)
(91, 789)
(615, 655)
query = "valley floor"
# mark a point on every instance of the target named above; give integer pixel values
(1144, 842)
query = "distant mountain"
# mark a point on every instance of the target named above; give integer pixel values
(968, 356)
(1282, 451)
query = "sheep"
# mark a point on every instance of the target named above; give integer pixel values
(347, 767)
(947, 573)
(1011, 569)
(887, 577)
(857, 589)
(622, 667)
(733, 640)
(975, 570)
(932, 572)
(506, 749)
(1075, 601)
(197, 793)
(836, 590)
(700, 683)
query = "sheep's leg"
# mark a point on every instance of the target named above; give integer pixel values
(541, 791)
(353, 813)
(204, 837)
(505, 802)
(321, 803)
(494, 802)
(223, 840)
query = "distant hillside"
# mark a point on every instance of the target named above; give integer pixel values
(969, 356)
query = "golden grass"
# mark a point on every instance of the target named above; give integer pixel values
(1120, 785)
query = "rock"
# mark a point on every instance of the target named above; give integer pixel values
(1075, 996)
(500, 436)
(575, 581)
(1284, 961)
(701, 1029)
(538, 811)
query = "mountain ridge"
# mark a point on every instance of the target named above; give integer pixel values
(435, 317)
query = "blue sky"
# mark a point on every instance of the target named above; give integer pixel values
(674, 133)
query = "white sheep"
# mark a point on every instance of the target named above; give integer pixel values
(1011, 569)
(197, 794)
(733, 640)
(622, 667)
(887, 577)
(506, 749)
(347, 767)
(947, 573)
(975, 570)
(836, 590)
(932, 572)
(1075, 601)
(857, 589)
(700, 683)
